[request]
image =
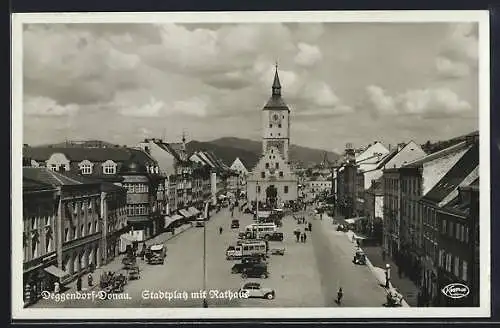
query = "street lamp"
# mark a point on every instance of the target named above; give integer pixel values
(205, 303)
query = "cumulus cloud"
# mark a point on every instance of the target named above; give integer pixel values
(308, 55)
(194, 107)
(425, 102)
(459, 53)
(151, 109)
(43, 106)
(381, 102)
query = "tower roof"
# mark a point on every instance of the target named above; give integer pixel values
(276, 102)
(276, 83)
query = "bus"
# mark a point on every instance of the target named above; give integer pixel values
(243, 249)
(263, 230)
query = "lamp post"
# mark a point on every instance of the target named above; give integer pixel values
(205, 303)
(257, 194)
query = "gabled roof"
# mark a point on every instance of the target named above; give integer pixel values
(387, 158)
(140, 156)
(450, 150)
(455, 176)
(32, 185)
(78, 154)
(55, 179)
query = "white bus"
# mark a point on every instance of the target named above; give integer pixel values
(246, 249)
(263, 230)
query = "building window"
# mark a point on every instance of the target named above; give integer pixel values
(464, 270)
(267, 165)
(90, 228)
(277, 165)
(279, 125)
(466, 234)
(54, 167)
(262, 175)
(456, 267)
(82, 230)
(109, 167)
(281, 174)
(86, 169)
(458, 232)
(258, 189)
(286, 189)
(451, 228)
(66, 234)
(270, 126)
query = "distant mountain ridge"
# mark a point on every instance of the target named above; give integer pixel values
(249, 151)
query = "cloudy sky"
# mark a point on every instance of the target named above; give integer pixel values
(344, 82)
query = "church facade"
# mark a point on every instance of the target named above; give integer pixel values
(272, 179)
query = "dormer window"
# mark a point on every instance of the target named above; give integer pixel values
(85, 167)
(109, 167)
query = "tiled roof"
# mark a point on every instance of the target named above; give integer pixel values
(438, 154)
(387, 158)
(455, 176)
(276, 102)
(140, 156)
(52, 178)
(78, 154)
(31, 185)
(108, 186)
(168, 148)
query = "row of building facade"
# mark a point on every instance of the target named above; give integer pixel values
(422, 208)
(84, 202)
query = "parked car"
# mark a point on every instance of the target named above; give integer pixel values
(278, 251)
(255, 290)
(256, 271)
(241, 267)
(235, 224)
(276, 236)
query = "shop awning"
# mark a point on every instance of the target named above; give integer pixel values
(168, 220)
(56, 272)
(185, 213)
(177, 217)
(194, 210)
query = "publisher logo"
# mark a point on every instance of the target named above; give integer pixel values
(455, 290)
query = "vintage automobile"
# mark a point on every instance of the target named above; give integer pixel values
(276, 236)
(240, 267)
(255, 290)
(278, 251)
(200, 223)
(359, 258)
(134, 273)
(235, 224)
(158, 254)
(129, 262)
(256, 271)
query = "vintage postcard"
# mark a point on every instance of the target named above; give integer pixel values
(294, 164)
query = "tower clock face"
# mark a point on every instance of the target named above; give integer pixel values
(275, 118)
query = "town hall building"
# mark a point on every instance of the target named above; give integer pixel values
(272, 180)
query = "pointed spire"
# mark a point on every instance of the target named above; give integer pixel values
(276, 84)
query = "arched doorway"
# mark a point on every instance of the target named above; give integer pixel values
(271, 195)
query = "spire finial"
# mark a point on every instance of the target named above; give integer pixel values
(183, 136)
(276, 84)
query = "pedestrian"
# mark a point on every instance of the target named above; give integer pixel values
(57, 288)
(90, 280)
(220, 230)
(79, 284)
(321, 216)
(305, 237)
(310, 226)
(301, 237)
(340, 295)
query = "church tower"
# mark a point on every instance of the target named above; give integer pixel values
(276, 121)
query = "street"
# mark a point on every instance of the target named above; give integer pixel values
(308, 275)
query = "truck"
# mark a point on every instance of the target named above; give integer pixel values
(245, 248)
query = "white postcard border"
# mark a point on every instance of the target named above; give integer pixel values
(18, 312)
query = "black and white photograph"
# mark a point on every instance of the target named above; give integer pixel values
(292, 164)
